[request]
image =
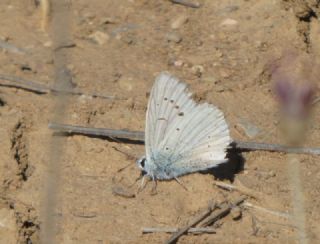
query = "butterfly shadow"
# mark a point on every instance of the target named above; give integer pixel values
(109, 138)
(228, 170)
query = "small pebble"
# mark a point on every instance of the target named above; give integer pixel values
(236, 213)
(249, 129)
(174, 37)
(89, 16)
(197, 70)
(210, 79)
(120, 191)
(107, 20)
(224, 73)
(179, 21)
(178, 63)
(47, 44)
(126, 84)
(271, 173)
(99, 37)
(219, 88)
(229, 22)
(230, 9)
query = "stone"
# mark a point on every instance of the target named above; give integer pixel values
(99, 37)
(197, 70)
(179, 21)
(249, 129)
(174, 37)
(229, 22)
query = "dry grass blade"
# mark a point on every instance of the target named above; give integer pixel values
(173, 230)
(240, 189)
(223, 211)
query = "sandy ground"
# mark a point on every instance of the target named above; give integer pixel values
(223, 50)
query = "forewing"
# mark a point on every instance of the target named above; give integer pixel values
(167, 97)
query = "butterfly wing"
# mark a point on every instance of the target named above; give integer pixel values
(191, 137)
(162, 109)
(202, 142)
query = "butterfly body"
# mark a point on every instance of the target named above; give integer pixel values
(181, 136)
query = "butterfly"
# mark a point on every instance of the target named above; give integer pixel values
(181, 136)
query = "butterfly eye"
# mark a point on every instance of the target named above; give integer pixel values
(181, 114)
(141, 163)
(165, 99)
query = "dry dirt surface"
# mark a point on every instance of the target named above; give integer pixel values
(222, 50)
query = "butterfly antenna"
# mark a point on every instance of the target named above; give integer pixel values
(181, 184)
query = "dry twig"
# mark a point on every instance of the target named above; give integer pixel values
(173, 230)
(240, 189)
(265, 210)
(194, 222)
(186, 3)
(223, 211)
(139, 136)
(39, 88)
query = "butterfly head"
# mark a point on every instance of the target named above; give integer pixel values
(141, 162)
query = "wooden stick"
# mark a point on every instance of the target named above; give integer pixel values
(194, 222)
(223, 211)
(173, 230)
(186, 3)
(39, 88)
(139, 136)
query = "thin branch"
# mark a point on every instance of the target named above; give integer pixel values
(223, 211)
(192, 223)
(186, 3)
(139, 136)
(173, 230)
(39, 88)
(276, 148)
(265, 210)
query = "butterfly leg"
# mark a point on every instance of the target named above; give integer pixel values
(143, 184)
(181, 184)
(154, 187)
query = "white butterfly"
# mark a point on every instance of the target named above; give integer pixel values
(181, 136)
